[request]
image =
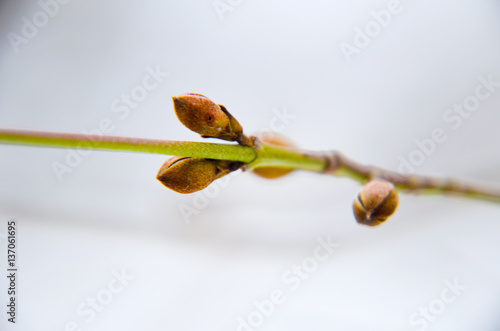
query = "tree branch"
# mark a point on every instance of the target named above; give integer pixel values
(259, 155)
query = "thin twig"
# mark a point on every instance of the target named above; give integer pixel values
(128, 144)
(259, 155)
(340, 165)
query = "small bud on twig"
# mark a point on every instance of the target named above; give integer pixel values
(189, 174)
(274, 172)
(377, 201)
(201, 115)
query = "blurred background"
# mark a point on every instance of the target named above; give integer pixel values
(102, 245)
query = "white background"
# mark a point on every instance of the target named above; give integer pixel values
(110, 213)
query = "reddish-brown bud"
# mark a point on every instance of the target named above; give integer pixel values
(189, 174)
(377, 201)
(201, 115)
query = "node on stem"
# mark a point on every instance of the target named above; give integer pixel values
(274, 172)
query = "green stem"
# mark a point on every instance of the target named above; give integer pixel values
(276, 156)
(139, 145)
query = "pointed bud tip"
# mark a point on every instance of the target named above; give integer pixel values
(182, 101)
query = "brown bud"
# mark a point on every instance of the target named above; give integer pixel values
(274, 172)
(189, 174)
(377, 201)
(200, 114)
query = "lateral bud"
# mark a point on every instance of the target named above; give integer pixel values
(201, 115)
(189, 174)
(377, 201)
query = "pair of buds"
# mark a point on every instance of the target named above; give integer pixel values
(203, 116)
(200, 114)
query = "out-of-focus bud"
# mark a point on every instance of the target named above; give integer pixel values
(201, 115)
(377, 201)
(189, 174)
(274, 172)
